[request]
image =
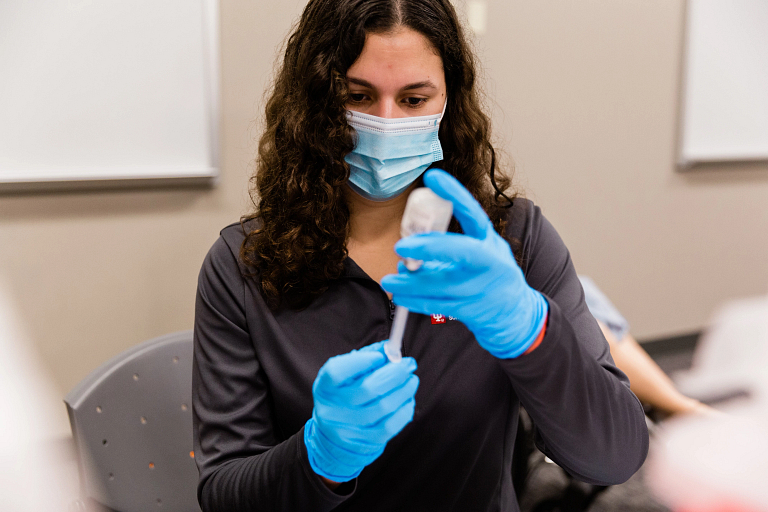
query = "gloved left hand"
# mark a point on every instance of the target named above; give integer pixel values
(472, 276)
(361, 402)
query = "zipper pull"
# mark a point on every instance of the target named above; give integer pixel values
(391, 309)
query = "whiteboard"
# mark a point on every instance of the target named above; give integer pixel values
(96, 92)
(725, 86)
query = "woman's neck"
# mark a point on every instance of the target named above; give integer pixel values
(374, 222)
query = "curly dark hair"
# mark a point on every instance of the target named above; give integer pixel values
(296, 245)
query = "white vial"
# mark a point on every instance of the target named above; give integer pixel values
(425, 212)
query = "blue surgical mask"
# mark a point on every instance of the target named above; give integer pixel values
(390, 154)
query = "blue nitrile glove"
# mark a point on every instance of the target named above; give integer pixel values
(361, 402)
(471, 276)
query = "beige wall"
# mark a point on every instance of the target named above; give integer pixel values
(585, 103)
(588, 99)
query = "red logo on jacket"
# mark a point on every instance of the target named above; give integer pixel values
(438, 319)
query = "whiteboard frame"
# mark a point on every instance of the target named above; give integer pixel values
(108, 177)
(686, 162)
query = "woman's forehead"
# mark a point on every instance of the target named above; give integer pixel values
(400, 57)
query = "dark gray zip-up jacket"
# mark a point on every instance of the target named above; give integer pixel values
(254, 369)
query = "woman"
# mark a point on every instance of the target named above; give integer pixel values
(296, 406)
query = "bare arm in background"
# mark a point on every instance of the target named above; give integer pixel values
(647, 381)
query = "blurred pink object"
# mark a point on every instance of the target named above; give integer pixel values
(719, 462)
(31, 467)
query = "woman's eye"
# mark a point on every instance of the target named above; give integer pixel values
(415, 102)
(357, 98)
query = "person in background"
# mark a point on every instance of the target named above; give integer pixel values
(649, 382)
(296, 406)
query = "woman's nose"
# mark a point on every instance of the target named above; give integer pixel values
(386, 108)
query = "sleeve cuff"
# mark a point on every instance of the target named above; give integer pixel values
(540, 337)
(337, 496)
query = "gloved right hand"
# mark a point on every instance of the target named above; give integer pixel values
(361, 402)
(471, 276)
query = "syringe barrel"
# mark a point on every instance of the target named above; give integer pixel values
(393, 346)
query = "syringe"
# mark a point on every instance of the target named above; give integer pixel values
(425, 211)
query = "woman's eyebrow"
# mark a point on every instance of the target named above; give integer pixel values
(416, 85)
(360, 81)
(426, 84)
